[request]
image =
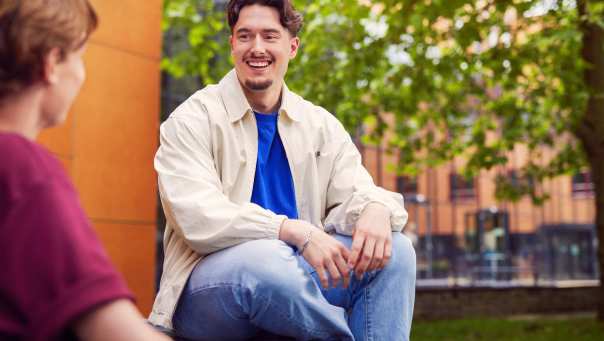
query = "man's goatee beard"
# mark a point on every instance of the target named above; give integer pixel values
(258, 86)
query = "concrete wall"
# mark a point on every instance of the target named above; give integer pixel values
(454, 303)
(108, 142)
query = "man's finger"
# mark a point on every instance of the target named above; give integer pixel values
(387, 253)
(344, 252)
(334, 273)
(355, 250)
(378, 255)
(365, 257)
(342, 266)
(322, 276)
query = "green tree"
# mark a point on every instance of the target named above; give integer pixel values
(463, 78)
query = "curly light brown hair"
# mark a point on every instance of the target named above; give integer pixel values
(30, 29)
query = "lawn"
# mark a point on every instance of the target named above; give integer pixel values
(539, 329)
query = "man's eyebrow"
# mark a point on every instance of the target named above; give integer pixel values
(271, 30)
(267, 30)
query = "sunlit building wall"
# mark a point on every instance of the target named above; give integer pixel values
(108, 142)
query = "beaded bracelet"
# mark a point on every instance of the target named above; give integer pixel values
(306, 241)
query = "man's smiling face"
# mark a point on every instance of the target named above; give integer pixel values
(261, 48)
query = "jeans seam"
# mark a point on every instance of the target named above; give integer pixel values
(213, 285)
(368, 330)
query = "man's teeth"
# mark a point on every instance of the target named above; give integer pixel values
(258, 64)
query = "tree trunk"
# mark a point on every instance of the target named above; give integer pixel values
(598, 168)
(591, 129)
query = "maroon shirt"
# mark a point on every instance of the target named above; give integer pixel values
(52, 267)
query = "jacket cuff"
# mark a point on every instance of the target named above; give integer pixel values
(398, 214)
(273, 226)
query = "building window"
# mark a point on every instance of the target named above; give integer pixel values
(517, 181)
(406, 185)
(582, 183)
(460, 187)
(513, 178)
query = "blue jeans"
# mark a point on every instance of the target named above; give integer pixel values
(264, 285)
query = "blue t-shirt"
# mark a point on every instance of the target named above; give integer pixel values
(273, 183)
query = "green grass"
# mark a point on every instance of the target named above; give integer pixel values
(541, 329)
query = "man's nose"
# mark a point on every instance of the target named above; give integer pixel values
(258, 44)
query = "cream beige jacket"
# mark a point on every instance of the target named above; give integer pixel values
(206, 163)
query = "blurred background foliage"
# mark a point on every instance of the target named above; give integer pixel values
(461, 78)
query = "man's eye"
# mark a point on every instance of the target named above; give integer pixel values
(244, 37)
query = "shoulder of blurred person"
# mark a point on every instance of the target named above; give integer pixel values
(26, 165)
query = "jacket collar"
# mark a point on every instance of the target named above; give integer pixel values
(237, 105)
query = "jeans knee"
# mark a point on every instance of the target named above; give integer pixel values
(403, 256)
(262, 251)
(269, 267)
(287, 282)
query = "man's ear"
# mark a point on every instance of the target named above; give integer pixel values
(294, 44)
(50, 73)
(231, 42)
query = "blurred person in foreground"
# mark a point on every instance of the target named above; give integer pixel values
(270, 211)
(56, 281)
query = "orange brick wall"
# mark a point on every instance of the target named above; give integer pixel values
(449, 217)
(108, 142)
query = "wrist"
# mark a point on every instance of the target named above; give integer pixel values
(376, 215)
(307, 237)
(376, 208)
(293, 232)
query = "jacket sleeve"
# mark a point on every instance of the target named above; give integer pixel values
(191, 191)
(351, 188)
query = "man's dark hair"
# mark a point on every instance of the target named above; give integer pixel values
(289, 17)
